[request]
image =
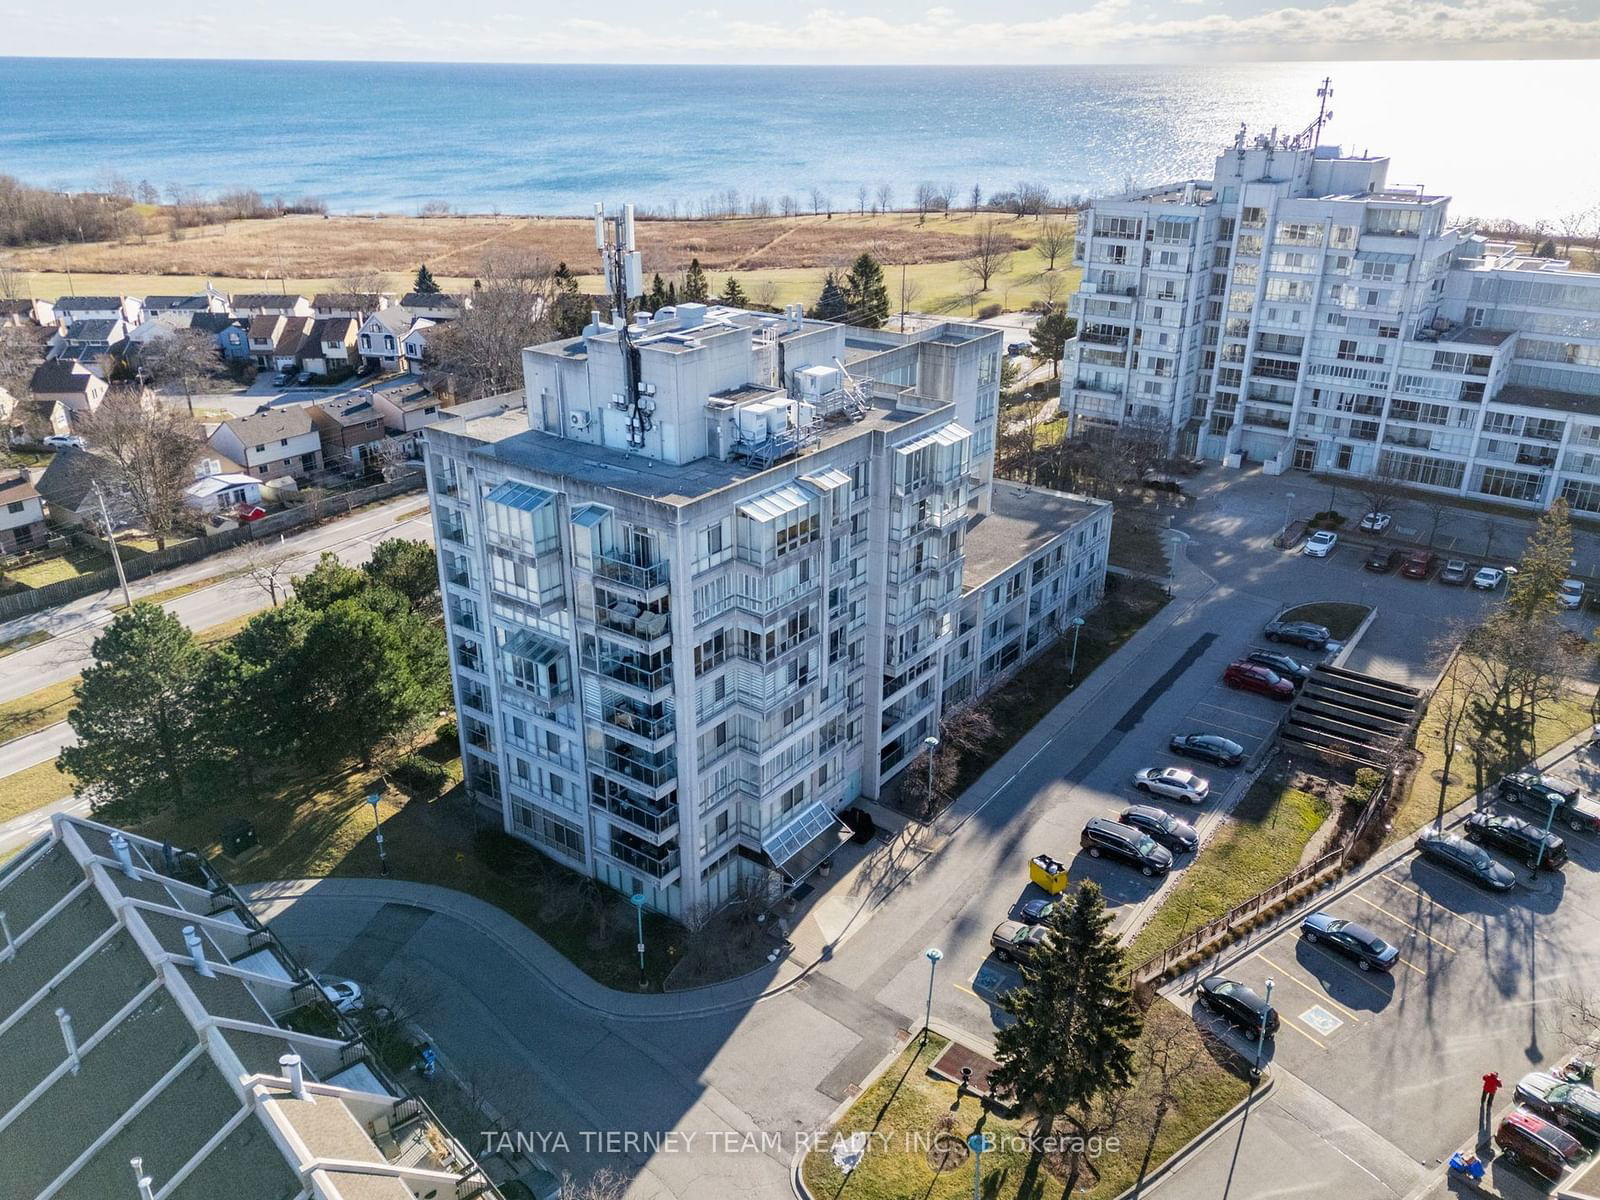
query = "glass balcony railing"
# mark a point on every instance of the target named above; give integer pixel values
(642, 576)
(656, 861)
(650, 721)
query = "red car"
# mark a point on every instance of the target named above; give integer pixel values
(1253, 677)
(1418, 565)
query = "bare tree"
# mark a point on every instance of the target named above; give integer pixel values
(1379, 490)
(185, 358)
(152, 449)
(10, 283)
(1437, 510)
(482, 349)
(268, 568)
(1572, 226)
(990, 255)
(19, 351)
(862, 195)
(604, 1184)
(885, 197)
(1451, 705)
(788, 205)
(926, 198)
(1053, 240)
(361, 283)
(1171, 1058)
(820, 201)
(975, 200)
(1051, 286)
(764, 293)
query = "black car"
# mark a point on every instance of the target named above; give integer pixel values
(1036, 911)
(1462, 857)
(1292, 669)
(1519, 837)
(1369, 950)
(1238, 1005)
(1573, 809)
(1382, 561)
(1299, 633)
(1172, 832)
(1103, 837)
(1208, 747)
(1573, 1106)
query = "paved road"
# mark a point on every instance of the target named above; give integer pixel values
(19, 754)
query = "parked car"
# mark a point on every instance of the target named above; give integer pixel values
(1533, 1142)
(1370, 952)
(1571, 593)
(1299, 633)
(1014, 940)
(1103, 837)
(1238, 1005)
(1208, 747)
(1375, 522)
(1174, 833)
(64, 441)
(1573, 1106)
(343, 994)
(1292, 669)
(1455, 572)
(1253, 677)
(1321, 543)
(1573, 809)
(1419, 564)
(1488, 578)
(1036, 911)
(1019, 347)
(1461, 856)
(1382, 560)
(283, 379)
(1519, 837)
(1172, 782)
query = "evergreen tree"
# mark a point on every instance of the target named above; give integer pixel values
(866, 293)
(831, 305)
(134, 714)
(694, 283)
(569, 311)
(1076, 1022)
(1547, 560)
(732, 294)
(329, 582)
(409, 567)
(424, 284)
(672, 292)
(657, 299)
(1050, 336)
(1545, 249)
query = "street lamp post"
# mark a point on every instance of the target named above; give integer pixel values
(933, 954)
(637, 900)
(383, 861)
(1549, 822)
(932, 743)
(1261, 1037)
(1288, 511)
(1072, 667)
(978, 1143)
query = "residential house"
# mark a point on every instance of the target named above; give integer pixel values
(233, 341)
(280, 441)
(250, 305)
(436, 306)
(383, 337)
(68, 485)
(165, 1026)
(331, 348)
(27, 312)
(79, 389)
(128, 309)
(406, 406)
(208, 301)
(219, 325)
(22, 524)
(222, 492)
(347, 424)
(416, 342)
(34, 420)
(92, 341)
(262, 336)
(350, 304)
(293, 343)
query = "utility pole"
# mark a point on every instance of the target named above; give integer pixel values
(111, 541)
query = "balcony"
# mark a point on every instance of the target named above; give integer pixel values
(655, 822)
(898, 714)
(643, 577)
(649, 721)
(630, 672)
(651, 631)
(651, 769)
(453, 529)
(461, 577)
(655, 861)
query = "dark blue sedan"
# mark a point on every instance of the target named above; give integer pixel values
(1370, 952)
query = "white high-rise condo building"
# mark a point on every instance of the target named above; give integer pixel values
(1300, 310)
(724, 575)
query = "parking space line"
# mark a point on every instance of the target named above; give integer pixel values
(1333, 958)
(1291, 1023)
(1233, 712)
(1414, 928)
(1320, 995)
(1412, 965)
(1485, 898)
(1424, 896)
(967, 990)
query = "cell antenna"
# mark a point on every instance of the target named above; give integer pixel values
(624, 271)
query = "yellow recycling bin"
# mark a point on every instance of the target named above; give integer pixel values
(1048, 873)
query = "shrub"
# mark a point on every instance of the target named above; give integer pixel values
(419, 776)
(446, 732)
(989, 311)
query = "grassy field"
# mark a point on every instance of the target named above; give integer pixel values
(777, 260)
(22, 641)
(1136, 542)
(906, 1108)
(75, 562)
(36, 710)
(31, 789)
(1258, 844)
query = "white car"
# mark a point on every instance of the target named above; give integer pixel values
(1571, 594)
(65, 441)
(1174, 783)
(343, 994)
(1488, 578)
(1376, 522)
(1321, 543)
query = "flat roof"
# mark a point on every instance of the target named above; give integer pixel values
(506, 437)
(1531, 397)
(1020, 520)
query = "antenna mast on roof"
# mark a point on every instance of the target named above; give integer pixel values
(1311, 136)
(613, 237)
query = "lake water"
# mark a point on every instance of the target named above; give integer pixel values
(1502, 137)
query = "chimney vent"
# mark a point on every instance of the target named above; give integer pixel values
(296, 1074)
(71, 1041)
(197, 952)
(141, 1180)
(119, 847)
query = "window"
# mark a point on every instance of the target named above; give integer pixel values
(15, 506)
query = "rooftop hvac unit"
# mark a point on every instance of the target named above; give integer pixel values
(578, 420)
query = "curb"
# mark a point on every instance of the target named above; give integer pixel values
(1197, 1143)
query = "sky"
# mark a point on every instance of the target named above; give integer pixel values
(802, 31)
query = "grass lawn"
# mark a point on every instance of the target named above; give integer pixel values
(1257, 845)
(36, 710)
(1555, 723)
(75, 562)
(411, 512)
(1136, 542)
(32, 789)
(1341, 619)
(906, 1108)
(23, 641)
